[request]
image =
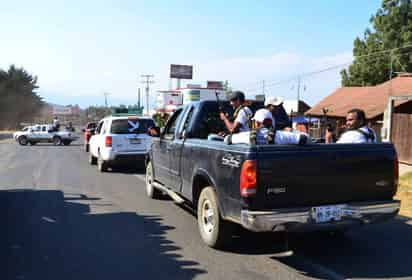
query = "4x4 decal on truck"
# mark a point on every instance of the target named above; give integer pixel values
(231, 160)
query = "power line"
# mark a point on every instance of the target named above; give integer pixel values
(307, 74)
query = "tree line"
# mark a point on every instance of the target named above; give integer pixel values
(19, 101)
(386, 47)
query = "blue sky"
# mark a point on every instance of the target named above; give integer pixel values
(80, 49)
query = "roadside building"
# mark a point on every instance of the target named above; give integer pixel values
(374, 101)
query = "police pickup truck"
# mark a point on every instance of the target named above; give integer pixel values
(268, 187)
(44, 133)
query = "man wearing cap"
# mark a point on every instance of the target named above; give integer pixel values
(279, 115)
(264, 134)
(242, 114)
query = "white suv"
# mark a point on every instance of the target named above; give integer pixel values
(120, 139)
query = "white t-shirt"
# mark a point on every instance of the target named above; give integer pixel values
(281, 137)
(243, 119)
(354, 136)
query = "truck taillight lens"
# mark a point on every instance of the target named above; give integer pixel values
(396, 171)
(109, 141)
(88, 136)
(248, 180)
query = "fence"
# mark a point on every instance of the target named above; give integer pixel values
(402, 136)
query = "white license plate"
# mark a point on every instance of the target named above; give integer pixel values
(324, 214)
(135, 141)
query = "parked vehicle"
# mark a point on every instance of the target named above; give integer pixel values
(268, 187)
(88, 131)
(120, 139)
(44, 133)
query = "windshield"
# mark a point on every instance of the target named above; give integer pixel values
(130, 126)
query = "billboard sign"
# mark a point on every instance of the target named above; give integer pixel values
(61, 110)
(181, 71)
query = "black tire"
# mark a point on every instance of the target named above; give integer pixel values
(151, 191)
(86, 148)
(215, 231)
(92, 159)
(67, 142)
(57, 141)
(23, 140)
(102, 165)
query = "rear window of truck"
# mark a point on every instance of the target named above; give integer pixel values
(131, 126)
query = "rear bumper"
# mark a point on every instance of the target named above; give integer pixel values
(127, 158)
(301, 219)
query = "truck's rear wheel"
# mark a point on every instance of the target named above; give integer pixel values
(86, 148)
(215, 231)
(57, 141)
(151, 191)
(23, 140)
(67, 142)
(102, 165)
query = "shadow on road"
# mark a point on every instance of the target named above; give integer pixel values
(50, 237)
(377, 251)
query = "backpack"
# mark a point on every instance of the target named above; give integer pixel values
(369, 136)
(269, 140)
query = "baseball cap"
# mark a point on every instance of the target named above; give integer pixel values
(236, 95)
(275, 101)
(261, 115)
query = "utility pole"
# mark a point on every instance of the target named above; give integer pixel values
(147, 81)
(105, 98)
(138, 98)
(263, 87)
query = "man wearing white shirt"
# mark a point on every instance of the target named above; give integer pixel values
(265, 135)
(357, 130)
(242, 114)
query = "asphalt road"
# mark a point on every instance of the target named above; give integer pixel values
(65, 220)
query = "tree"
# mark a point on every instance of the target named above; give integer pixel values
(19, 101)
(392, 30)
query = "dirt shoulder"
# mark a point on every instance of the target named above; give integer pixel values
(405, 194)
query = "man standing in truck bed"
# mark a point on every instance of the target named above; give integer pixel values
(357, 130)
(242, 115)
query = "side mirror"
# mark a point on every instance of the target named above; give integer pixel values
(83, 130)
(155, 131)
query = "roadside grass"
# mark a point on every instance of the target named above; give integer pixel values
(405, 194)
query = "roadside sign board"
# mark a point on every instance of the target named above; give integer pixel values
(181, 71)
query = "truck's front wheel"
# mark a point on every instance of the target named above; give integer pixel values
(214, 231)
(151, 191)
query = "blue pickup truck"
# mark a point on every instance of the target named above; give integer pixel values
(268, 187)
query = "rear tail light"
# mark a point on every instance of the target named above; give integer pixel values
(248, 179)
(395, 171)
(88, 136)
(109, 141)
